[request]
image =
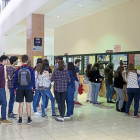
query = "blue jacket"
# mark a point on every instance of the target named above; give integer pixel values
(32, 84)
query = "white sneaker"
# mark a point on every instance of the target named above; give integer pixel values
(66, 117)
(37, 113)
(46, 109)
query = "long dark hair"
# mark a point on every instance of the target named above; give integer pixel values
(119, 71)
(88, 69)
(95, 66)
(72, 68)
(61, 65)
(44, 68)
(45, 61)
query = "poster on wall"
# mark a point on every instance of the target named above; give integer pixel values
(117, 48)
(37, 44)
(35, 59)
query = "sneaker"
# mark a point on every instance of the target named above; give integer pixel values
(37, 113)
(5, 122)
(111, 102)
(59, 119)
(14, 114)
(19, 121)
(127, 114)
(54, 115)
(136, 116)
(44, 116)
(91, 102)
(97, 104)
(77, 103)
(11, 116)
(87, 100)
(46, 109)
(66, 117)
(29, 121)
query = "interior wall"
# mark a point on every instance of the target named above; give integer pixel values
(49, 46)
(17, 45)
(100, 32)
(14, 44)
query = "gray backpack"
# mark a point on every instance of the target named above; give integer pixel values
(24, 77)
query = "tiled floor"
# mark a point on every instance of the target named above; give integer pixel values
(88, 123)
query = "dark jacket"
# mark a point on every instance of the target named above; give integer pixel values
(94, 76)
(108, 77)
(2, 76)
(119, 82)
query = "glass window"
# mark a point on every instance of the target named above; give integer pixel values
(135, 59)
(116, 58)
(103, 59)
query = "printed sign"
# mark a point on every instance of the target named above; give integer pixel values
(109, 51)
(117, 48)
(38, 48)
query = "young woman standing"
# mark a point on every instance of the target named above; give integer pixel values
(89, 85)
(44, 84)
(70, 90)
(133, 90)
(109, 82)
(61, 79)
(95, 78)
(37, 92)
(118, 86)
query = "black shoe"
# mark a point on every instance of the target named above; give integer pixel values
(11, 116)
(87, 100)
(29, 121)
(111, 102)
(19, 121)
(108, 101)
(91, 102)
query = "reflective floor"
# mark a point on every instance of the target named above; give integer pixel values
(88, 123)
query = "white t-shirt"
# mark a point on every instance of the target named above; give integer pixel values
(132, 79)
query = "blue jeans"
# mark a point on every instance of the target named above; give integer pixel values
(69, 100)
(11, 101)
(109, 91)
(47, 101)
(47, 93)
(96, 88)
(36, 100)
(3, 103)
(133, 93)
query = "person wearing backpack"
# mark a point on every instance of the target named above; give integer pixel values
(44, 84)
(24, 86)
(10, 76)
(3, 101)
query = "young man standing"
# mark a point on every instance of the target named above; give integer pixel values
(24, 86)
(3, 101)
(77, 81)
(10, 76)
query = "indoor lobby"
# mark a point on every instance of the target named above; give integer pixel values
(91, 32)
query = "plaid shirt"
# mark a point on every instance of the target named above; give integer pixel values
(10, 76)
(61, 80)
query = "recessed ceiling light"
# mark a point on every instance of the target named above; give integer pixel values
(80, 5)
(57, 16)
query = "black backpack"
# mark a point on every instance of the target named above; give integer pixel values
(24, 76)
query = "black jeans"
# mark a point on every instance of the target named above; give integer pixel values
(60, 98)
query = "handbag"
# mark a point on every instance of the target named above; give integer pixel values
(85, 79)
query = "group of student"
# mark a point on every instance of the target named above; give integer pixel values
(123, 81)
(31, 84)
